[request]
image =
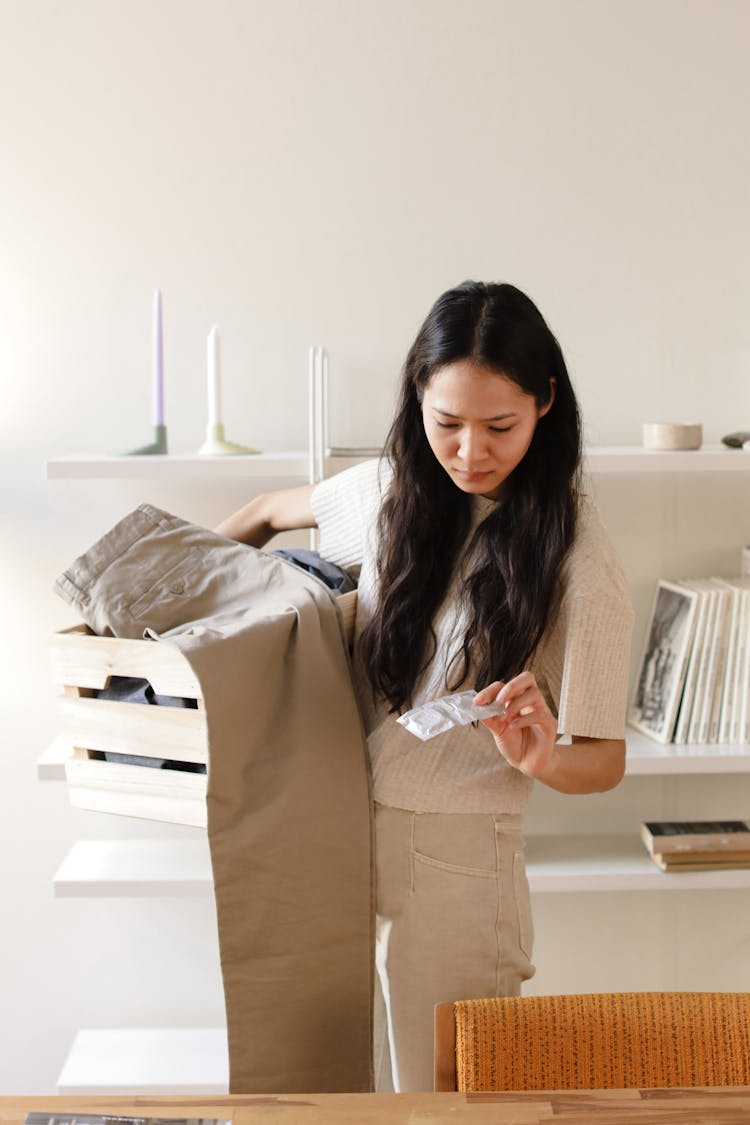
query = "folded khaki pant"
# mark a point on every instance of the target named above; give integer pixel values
(289, 820)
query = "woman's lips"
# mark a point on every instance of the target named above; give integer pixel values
(473, 474)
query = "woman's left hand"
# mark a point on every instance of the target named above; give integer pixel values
(526, 734)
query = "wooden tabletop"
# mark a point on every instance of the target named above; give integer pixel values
(701, 1106)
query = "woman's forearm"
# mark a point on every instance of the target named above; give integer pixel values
(526, 735)
(248, 524)
(264, 516)
(589, 765)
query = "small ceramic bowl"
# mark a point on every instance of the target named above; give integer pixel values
(672, 435)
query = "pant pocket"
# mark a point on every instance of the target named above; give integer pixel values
(523, 905)
(451, 868)
(171, 586)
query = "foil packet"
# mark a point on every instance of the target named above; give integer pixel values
(439, 715)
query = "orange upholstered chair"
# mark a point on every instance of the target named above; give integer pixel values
(594, 1041)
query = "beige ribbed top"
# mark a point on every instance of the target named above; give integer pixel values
(581, 664)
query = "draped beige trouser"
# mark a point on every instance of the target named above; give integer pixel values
(289, 815)
(453, 923)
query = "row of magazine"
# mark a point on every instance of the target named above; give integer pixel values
(68, 1118)
(693, 684)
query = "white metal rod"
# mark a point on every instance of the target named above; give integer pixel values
(311, 413)
(320, 414)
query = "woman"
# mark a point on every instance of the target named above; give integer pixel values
(482, 564)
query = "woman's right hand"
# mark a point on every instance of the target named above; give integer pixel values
(526, 734)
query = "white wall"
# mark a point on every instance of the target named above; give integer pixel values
(317, 171)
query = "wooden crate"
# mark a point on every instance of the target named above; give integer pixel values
(83, 663)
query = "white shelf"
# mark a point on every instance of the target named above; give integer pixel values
(635, 459)
(295, 465)
(175, 868)
(146, 1061)
(554, 864)
(286, 466)
(559, 864)
(50, 765)
(645, 756)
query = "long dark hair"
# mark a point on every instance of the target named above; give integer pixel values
(517, 551)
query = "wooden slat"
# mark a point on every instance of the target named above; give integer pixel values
(79, 657)
(172, 796)
(445, 1047)
(347, 604)
(178, 733)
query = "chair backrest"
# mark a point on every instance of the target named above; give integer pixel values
(594, 1041)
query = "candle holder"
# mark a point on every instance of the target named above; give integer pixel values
(216, 444)
(158, 445)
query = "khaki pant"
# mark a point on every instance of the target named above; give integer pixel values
(289, 811)
(453, 922)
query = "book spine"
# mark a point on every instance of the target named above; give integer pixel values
(688, 693)
(743, 722)
(719, 659)
(739, 665)
(700, 684)
(698, 842)
(727, 692)
(681, 680)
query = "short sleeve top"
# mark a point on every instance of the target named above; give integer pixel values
(581, 663)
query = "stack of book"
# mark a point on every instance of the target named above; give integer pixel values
(697, 845)
(694, 680)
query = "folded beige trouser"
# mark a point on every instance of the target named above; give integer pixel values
(289, 823)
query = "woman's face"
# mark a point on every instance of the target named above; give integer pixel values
(479, 425)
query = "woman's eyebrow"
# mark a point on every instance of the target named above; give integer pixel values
(495, 418)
